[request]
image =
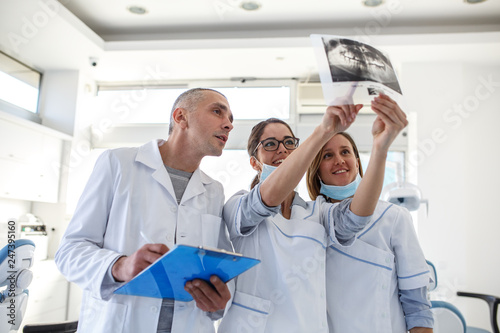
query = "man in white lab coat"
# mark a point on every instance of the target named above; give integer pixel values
(158, 191)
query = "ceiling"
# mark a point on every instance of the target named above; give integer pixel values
(216, 39)
(176, 19)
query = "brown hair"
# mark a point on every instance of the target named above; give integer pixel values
(254, 139)
(313, 184)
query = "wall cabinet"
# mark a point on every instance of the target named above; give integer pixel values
(29, 162)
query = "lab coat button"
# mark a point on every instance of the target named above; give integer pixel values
(154, 309)
(387, 260)
(384, 287)
(173, 209)
(170, 238)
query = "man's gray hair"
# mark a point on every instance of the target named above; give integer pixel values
(188, 100)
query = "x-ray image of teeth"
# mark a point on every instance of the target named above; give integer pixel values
(351, 60)
(353, 72)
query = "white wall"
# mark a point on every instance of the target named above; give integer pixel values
(457, 163)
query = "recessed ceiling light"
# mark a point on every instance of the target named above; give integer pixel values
(250, 5)
(137, 10)
(372, 3)
(474, 1)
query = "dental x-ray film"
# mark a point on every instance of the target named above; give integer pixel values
(352, 72)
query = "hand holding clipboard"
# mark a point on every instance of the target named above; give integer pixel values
(166, 277)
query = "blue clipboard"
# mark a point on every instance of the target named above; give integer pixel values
(166, 277)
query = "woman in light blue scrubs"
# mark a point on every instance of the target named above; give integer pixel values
(379, 283)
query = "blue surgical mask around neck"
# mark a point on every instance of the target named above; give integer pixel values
(340, 192)
(266, 171)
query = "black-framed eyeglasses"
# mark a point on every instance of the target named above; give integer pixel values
(272, 144)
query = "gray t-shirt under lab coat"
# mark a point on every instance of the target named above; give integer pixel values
(180, 180)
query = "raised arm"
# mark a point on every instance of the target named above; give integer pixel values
(283, 180)
(388, 124)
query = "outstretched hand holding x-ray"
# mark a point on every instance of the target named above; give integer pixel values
(353, 72)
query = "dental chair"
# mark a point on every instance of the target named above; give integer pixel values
(15, 260)
(449, 319)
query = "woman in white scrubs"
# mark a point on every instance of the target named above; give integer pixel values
(286, 291)
(379, 284)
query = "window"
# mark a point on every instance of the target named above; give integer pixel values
(19, 87)
(394, 167)
(258, 102)
(150, 105)
(153, 104)
(130, 115)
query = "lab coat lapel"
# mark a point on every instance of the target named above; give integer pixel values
(161, 176)
(149, 155)
(196, 185)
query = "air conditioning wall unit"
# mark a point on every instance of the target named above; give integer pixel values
(310, 98)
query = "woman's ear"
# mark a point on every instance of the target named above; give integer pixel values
(256, 165)
(180, 118)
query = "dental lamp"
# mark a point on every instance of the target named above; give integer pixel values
(404, 194)
(15, 260)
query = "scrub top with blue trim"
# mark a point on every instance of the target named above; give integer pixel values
(286, 292)
(364, 280)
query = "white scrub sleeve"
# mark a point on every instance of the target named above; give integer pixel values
(244, 211)
(411, 266)
(340, 222)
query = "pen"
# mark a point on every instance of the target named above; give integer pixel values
(146, 238)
